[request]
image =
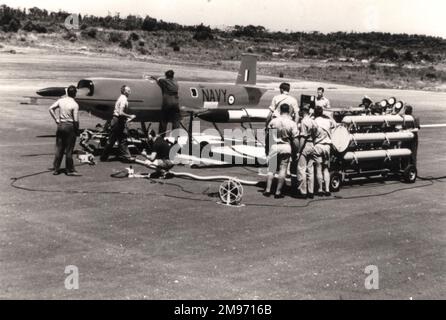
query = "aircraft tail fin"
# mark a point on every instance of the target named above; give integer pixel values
(247, 73)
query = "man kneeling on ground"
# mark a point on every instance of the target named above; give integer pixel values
(159, 158)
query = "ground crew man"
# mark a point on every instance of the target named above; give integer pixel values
(366, 103)
(307, 155)
(413, 144)
(159, 158)
(283, 131)
(283, 98)
(376, 109)
(67, 126)
(170, 111)
(118, 125)
(322, 147)
(322, 101)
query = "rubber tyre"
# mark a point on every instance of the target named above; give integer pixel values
(410, 174)
(335, 182)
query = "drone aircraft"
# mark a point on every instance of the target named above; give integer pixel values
(213, 102)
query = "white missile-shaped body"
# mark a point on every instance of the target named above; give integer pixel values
(234, 115)
(358, 156)
(342, 139)
(377, 120)
(380, 137)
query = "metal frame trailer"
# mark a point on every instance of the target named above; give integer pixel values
(371, 146)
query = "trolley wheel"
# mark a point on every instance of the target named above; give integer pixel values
(231, 192)
(335, 182)
(410, 174)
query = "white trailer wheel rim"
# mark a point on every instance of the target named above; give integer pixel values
(335, 182)
(231, 192)
(412, 175)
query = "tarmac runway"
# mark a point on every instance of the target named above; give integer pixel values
(137, 239)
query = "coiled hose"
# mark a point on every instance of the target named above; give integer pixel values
(200, 178)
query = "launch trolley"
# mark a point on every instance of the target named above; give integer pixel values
(371, 146)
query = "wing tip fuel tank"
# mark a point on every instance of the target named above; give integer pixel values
(234, 115)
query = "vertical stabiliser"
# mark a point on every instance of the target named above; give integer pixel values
(247, 73)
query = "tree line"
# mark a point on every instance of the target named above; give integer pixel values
(42, 21)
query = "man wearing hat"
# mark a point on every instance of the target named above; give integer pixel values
(170, 111)
(366, 103)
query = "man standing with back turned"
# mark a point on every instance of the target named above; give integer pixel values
(170, 111)
(67, 127)
(283, 132)
(283, 98)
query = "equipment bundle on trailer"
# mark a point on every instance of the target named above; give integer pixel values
(372, 145)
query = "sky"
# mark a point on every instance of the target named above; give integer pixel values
(396, 16)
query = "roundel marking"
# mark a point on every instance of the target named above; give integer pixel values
(231, 100)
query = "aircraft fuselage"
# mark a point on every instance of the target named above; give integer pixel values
(98, 96)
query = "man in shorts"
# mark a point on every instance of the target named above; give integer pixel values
(307, 155)
(282, 131)
(283, 98)
(322, 147)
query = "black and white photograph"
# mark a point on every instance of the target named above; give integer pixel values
(211, 150)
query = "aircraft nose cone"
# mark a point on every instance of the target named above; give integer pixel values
(216, 115)
(52, 92)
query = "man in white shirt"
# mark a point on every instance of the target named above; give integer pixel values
(118, 123)
(322, 147)
(283, 98)
(283, 131)
(67, 126)
(307, 155)
(321, 100)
